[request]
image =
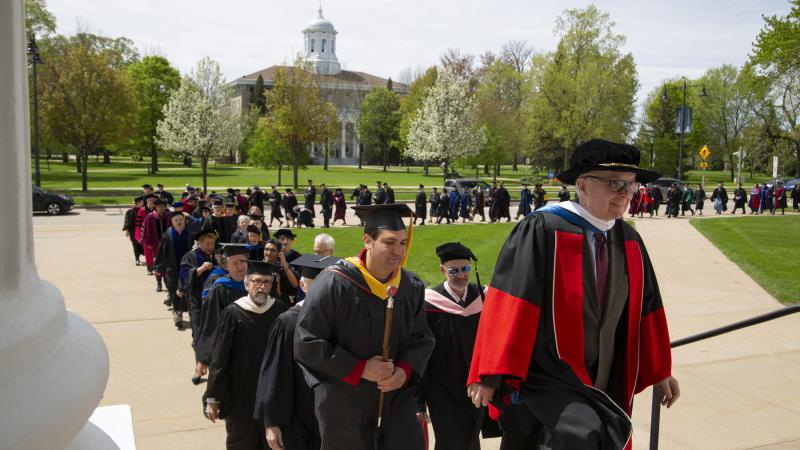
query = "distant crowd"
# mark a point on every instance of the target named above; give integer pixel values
(763, 198)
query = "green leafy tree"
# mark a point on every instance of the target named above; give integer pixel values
(776, 58)
(258, 100)
(297, 113)
(87, 99)
(38, 20)
(266, 148)
(380, 122)
(154, 80)
(586, 88)
(500, 97)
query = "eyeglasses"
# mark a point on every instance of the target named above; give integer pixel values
(615, 185)
(456, 270)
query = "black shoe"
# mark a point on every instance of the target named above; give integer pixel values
(150, 272)
(159, 288)
(138, 263)
(196, 380)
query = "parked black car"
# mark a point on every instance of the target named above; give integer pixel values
(663, 184)
(50, 202)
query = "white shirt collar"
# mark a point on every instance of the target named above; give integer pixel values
(247, 304)
(452, 293)
(602, 225)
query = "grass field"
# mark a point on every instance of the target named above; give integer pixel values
(485, 241)
(766, 247)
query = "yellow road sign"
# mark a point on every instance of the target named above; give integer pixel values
(704, 152)
(703, 164)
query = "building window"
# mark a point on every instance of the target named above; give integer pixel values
(333, 46)
(323, 45)
(312, 45)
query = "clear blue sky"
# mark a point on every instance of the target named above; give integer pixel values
(667, 39)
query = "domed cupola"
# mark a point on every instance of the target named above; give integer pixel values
(320, 37)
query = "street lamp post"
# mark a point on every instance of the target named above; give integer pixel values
(33, 50)
(683, 118)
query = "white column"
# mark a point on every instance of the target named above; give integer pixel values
(344, 139)
(53, 364)
(356, 146)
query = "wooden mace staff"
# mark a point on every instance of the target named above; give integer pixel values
(387, 332)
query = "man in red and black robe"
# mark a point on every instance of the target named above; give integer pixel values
(573, 324)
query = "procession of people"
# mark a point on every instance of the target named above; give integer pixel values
(320, 352)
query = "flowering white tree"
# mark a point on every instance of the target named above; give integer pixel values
(445, 127)
(198, 119)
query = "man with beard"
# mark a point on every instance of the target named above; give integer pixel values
(154, 226)
(235, 361)
(326, 203)
(195, 268)
(340, 337)
(129, 227)
(420, 206)
(453, 308)
(174, 245)
(573, 324)
(224, 291)
(284, 400)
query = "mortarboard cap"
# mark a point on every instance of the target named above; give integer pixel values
(138, 199)
(256, 217)
(204, 209)
(177, 205)
(218, 202)
(454, 250)
(253, 229)
(260, 267)
(235, 249)
(230, 204)
(147, 186)
(285, 232)
(383, 217)
(202, 233)
(311, 265)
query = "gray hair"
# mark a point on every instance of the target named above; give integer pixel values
(326, 240)
(243, 219)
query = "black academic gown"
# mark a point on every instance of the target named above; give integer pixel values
(456, 422)
(420, 205)
(222, 293)
(192, 282)
(233, 372)
(284, 399)
(167, 262)
(341, 326)
(224, 226)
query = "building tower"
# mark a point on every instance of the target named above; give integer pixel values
(320, 37)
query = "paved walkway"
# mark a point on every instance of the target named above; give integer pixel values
(740, 391)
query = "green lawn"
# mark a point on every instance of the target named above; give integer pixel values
(484, 239)
(766, 247)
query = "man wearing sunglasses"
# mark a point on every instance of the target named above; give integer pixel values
(453, 308)
(573, 325)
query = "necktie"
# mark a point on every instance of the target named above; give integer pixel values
(601, 266)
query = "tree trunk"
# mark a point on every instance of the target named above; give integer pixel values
(78, 156)
(153, 159)
(425, 166)
(204, 171)
(360, 154)
(797, 155)
(325, 164)
(495, 172)
(486, 169)
(384, 152)
(733, 166)
(445, 163)
(280, 168)
(296, 149)
(84, 169)
(106, 157)
(476, 171)
(64, 157)
(514, 166)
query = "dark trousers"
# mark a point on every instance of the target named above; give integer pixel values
(194, 317)
(520, 428)
(179, 304)
(326, 216)
(245, 434)
(138, 251)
